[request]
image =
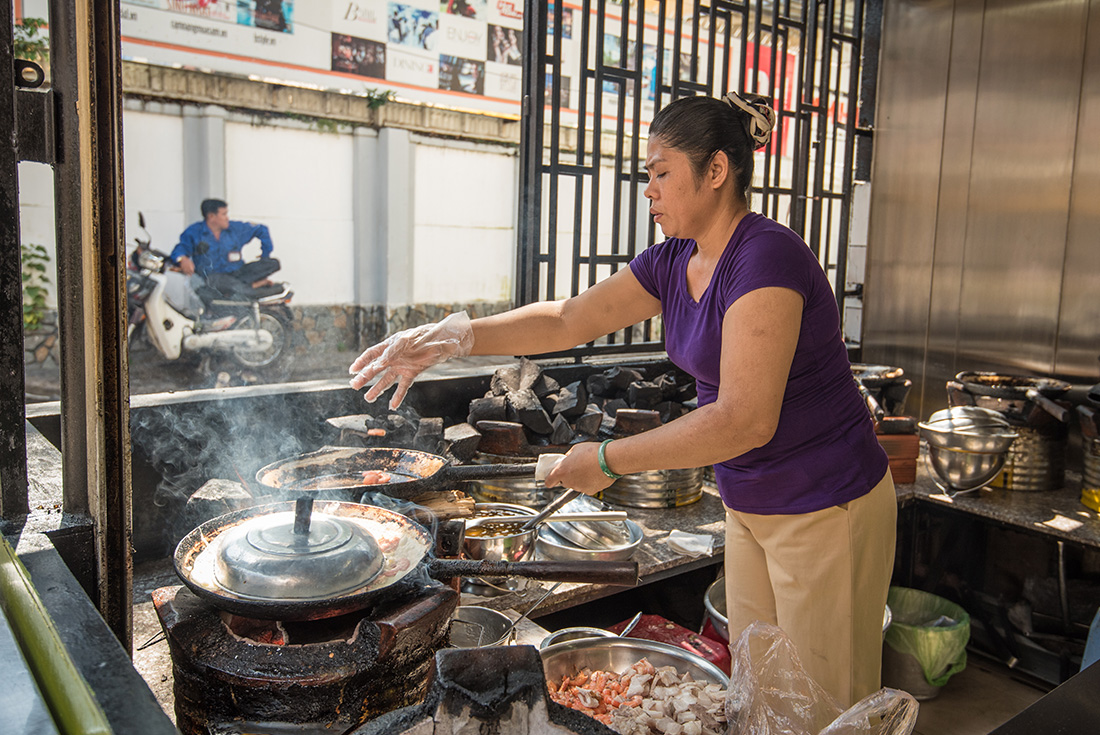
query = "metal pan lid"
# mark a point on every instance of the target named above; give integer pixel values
(592, 535)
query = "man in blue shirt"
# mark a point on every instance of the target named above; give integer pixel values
(212, 249)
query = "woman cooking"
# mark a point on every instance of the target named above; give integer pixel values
(748, 311)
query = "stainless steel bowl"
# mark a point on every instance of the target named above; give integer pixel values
(969, 429)
(515, 547)
(574, 634)
(715, 603)
(551, 546)
(476, 627)
(962, 470)
(619, 654)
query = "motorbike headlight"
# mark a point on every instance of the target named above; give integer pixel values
(150, 261)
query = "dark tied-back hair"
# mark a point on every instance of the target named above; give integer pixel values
(211, 206)
(699, 127)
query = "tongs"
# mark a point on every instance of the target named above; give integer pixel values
(550, 509)
(605, 516)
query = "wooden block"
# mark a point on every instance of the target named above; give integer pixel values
(904, 471)
(902, 446)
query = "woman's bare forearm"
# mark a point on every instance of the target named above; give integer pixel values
(527, 330)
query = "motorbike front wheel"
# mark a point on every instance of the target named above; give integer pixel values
(256, 357)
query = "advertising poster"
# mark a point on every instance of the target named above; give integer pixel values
(271, 15)
(461, 75)
(413, 27)
(359, 56)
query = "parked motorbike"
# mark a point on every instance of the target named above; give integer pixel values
(253, 328)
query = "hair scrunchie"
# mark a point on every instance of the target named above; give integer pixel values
(761, 116)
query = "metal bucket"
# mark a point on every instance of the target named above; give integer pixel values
(1091, 474)
(475, 627)
(1035, 461)
(656, 489)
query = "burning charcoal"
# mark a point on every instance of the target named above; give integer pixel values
(588, 423)
(571, 400)
(622, 377)
(635, 421)
(429, 435)
(529, 412)
(505, 380)
(612, 407)
(494, 408)
(562, 433)
(215, 498)
(598, 385)
(544, 385)
(669, 410)
(462, 440)
(643, 394)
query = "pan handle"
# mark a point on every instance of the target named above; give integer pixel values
(620, 573)
(463, 472)
(1059, 412)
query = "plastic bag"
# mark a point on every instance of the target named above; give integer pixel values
(771, 694)
(931, 629)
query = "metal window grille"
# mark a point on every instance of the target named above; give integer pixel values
(595, 74)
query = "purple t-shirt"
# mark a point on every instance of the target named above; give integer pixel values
(824, 451)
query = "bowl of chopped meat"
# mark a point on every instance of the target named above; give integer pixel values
(634, 685)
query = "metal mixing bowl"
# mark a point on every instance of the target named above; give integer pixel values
(515, 547)
(962, 470)
(552, 546)
(968, 429)
(619, 654)
(574, 634)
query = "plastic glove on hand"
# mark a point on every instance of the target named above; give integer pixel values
(402, 356)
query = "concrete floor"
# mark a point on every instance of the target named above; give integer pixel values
(975, 701)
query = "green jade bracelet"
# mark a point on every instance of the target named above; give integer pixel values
(603, 461)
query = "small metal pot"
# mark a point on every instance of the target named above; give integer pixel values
(514, 547)
(476, 627)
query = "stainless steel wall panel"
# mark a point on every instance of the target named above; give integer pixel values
(954, 195)
(1002, 270)
(1018, 210)
(913, 75)
(1079, 325)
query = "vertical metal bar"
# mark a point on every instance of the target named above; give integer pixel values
(13, 437)
(530, 160)
(849, 157)
(84, 52)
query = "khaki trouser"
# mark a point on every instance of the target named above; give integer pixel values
(822, 577)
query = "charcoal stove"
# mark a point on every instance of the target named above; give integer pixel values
(238, 675)
(1037, 458)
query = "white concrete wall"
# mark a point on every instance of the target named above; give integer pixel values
(298, 183)
(464, 223)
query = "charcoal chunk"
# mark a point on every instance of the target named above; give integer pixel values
(429, 435)
(505, 380)
(529, 411)
(666, 383)
(571, 400)
(588, 423)
(562, 432)
(494, 408)
(670, 410)
(529, 373)
(643, 394)
(544, 386)
(612, 407)
(599, 385)
(622, 377)
(461, 440)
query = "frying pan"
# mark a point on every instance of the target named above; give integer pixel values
(876, 376)
(404, 544)
(337, 472)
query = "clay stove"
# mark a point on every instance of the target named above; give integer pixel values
(238, 675)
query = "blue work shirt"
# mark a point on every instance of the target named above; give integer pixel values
(217, 258)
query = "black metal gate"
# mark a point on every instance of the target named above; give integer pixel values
(595, 73)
